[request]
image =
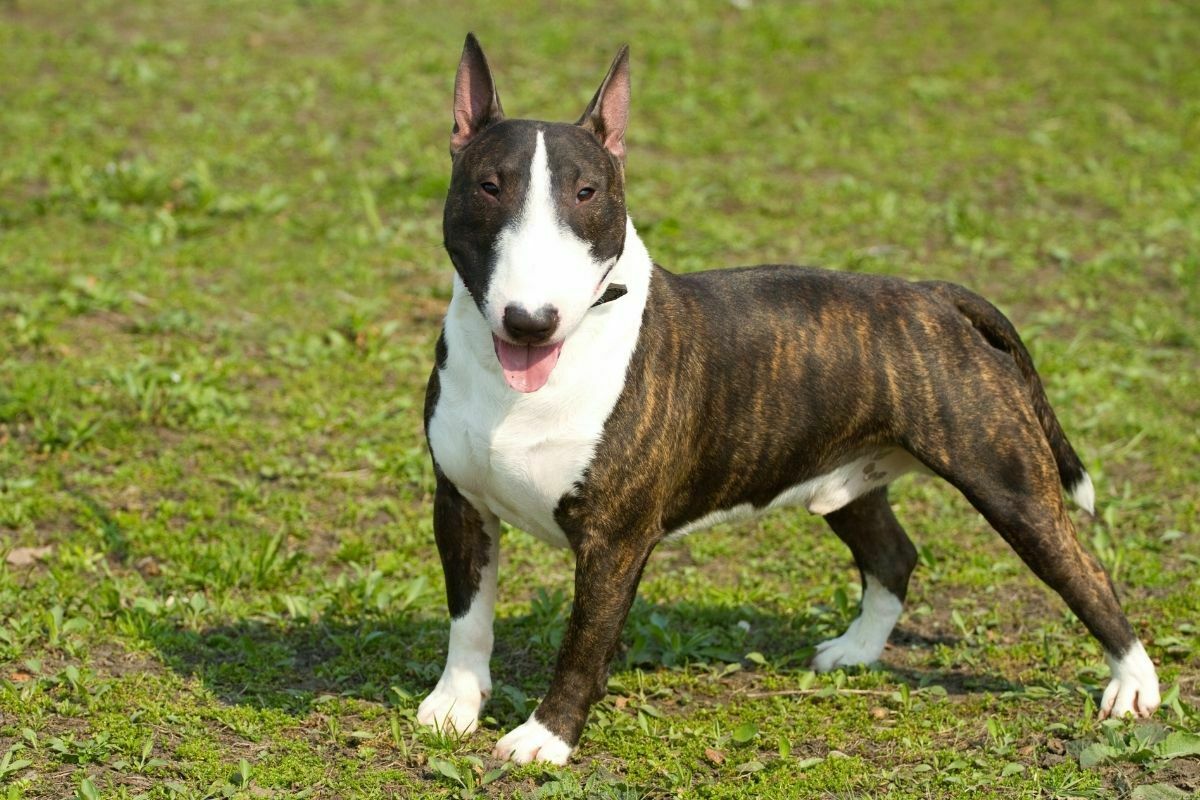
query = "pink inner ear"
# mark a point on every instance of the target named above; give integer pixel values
(614, 114)
(472, 101)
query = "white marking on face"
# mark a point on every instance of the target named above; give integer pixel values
(864, 640)
(539, 259)
(466, 682)
(823, 494)
(532, 741)
(1134, 685)
(518, 454)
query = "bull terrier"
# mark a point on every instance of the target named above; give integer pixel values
(597, 401)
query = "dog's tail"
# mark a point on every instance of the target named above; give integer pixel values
(1000, 333)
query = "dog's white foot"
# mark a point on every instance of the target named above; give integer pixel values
(453, 705)
(532, 741)
(864, 640)
(1134, 685)
(846, 650)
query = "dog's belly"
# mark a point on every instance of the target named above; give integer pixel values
(823, 494)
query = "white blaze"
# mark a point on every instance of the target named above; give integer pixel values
(539, 259)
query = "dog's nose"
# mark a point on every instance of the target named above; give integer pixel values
(530, 327)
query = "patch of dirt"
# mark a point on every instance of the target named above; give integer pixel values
(1182, 773)
(87, 329)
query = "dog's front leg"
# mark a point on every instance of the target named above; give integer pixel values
(606, 580)
(468, 541)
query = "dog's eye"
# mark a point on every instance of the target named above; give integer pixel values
(490, 188)
(584, 194)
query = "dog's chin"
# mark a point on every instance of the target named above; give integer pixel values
(526, 368)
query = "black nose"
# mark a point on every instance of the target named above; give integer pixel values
(530, 328)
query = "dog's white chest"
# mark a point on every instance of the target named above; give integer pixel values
(517, 459)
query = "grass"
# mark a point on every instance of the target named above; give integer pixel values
(220, 284)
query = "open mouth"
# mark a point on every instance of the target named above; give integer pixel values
(526, 367)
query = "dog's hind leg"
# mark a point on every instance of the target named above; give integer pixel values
(468, 541)
(885, 559)
(1006, 469)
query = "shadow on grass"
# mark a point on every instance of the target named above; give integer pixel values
(291, 666)
(115, 540)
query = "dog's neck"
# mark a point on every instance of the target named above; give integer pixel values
(632, 271)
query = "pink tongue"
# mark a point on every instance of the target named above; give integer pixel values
(526, 368)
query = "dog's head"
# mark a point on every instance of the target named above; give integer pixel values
(535, 217)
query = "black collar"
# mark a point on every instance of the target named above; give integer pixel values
(614, 291)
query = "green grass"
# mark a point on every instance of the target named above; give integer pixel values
(221, 280)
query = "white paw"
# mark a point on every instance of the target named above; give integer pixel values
(453, 705)
(532, 741)
(1134, 685)
(845, 651)
(863, 641)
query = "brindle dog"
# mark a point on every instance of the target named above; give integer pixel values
(599, 402)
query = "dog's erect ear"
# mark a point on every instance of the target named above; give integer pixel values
(608, 113)
(476, 103)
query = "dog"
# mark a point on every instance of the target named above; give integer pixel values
(599, 402)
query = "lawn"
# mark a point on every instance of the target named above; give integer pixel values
(221, 281)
